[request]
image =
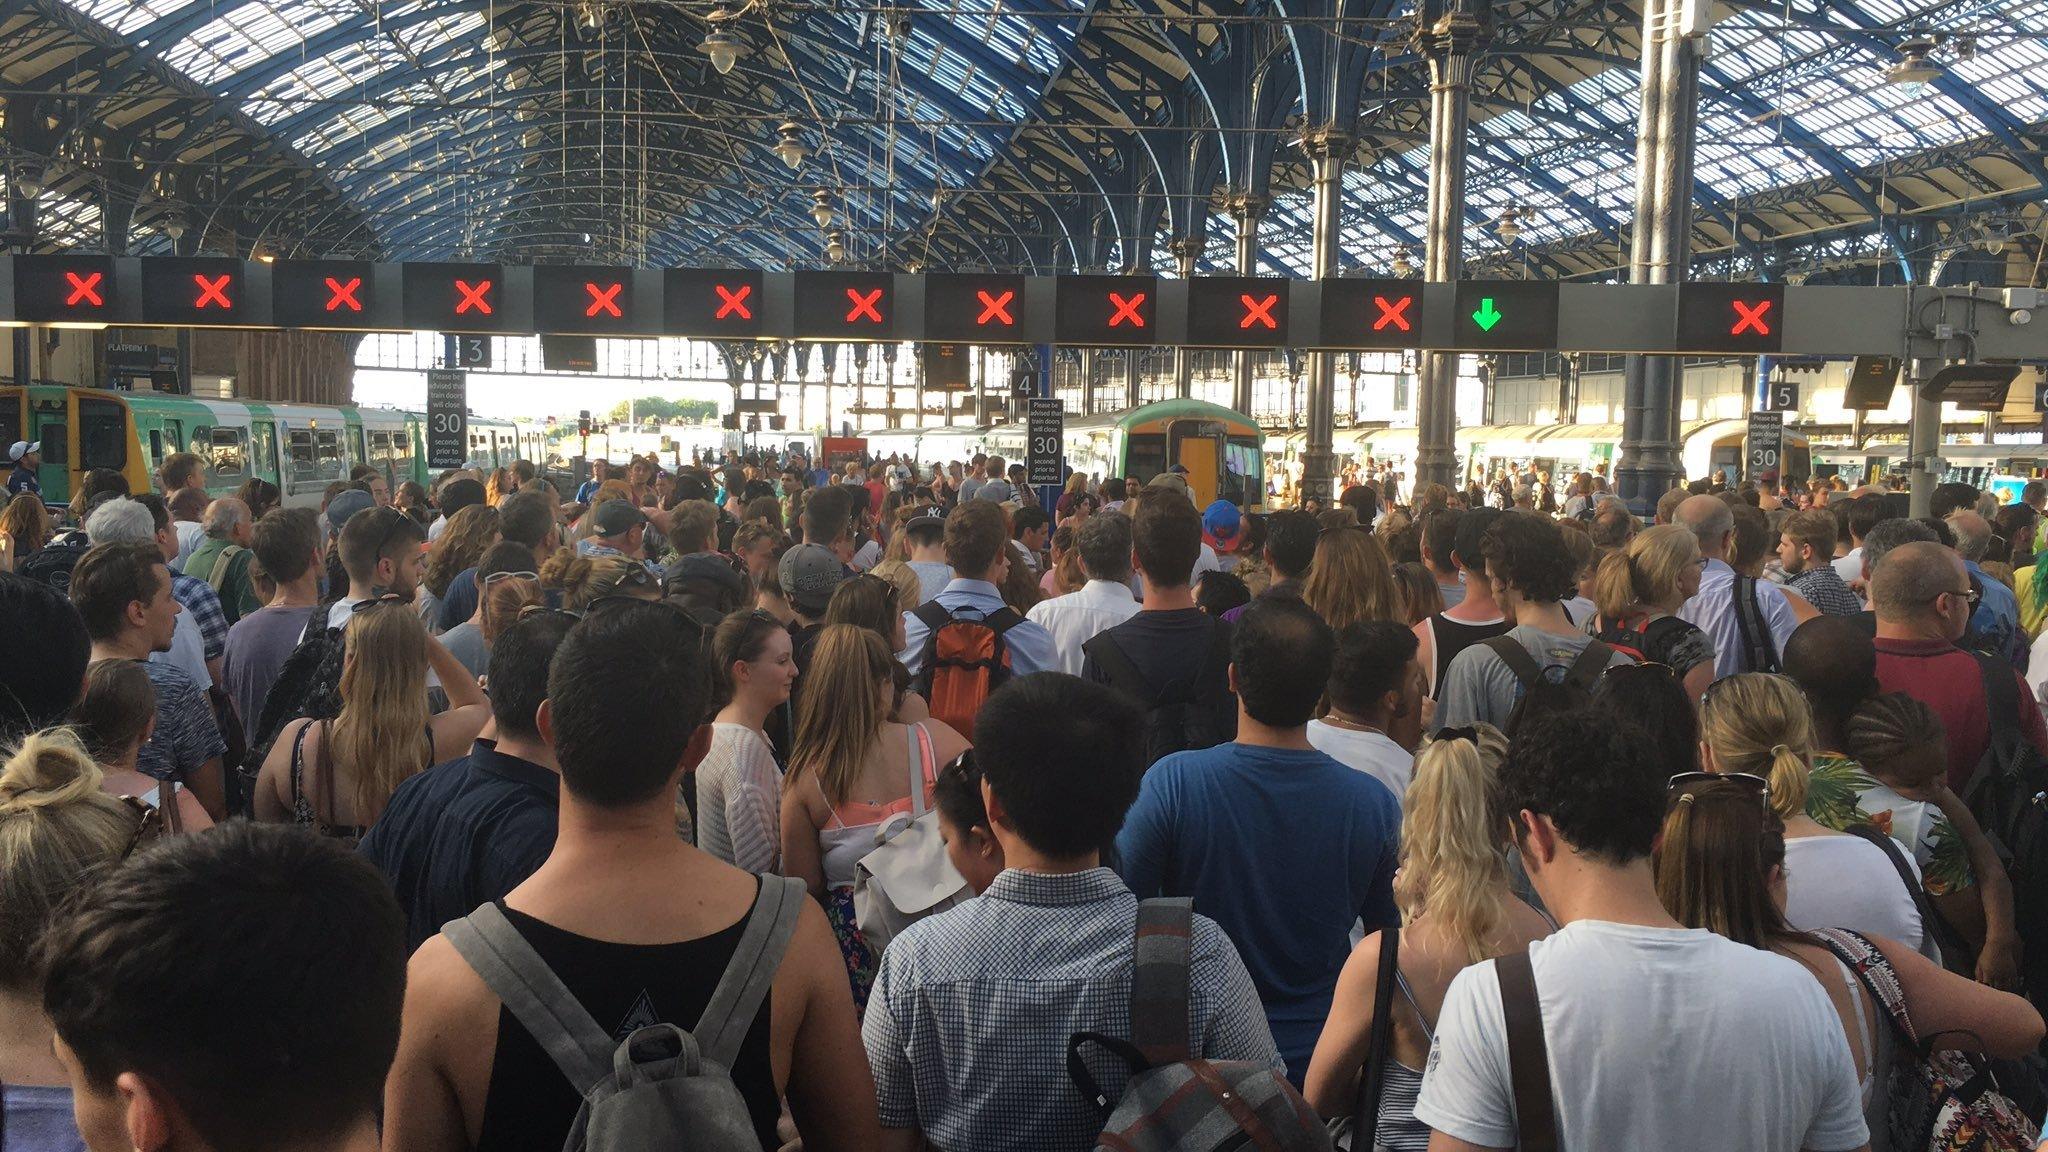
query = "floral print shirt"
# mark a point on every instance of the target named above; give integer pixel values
(1841, 793)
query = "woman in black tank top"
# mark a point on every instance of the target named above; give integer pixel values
(530, 1104)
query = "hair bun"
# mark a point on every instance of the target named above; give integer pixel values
(48, 769)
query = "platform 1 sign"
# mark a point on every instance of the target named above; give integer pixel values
(447, 418)
(1766, 444)
(1045, 428)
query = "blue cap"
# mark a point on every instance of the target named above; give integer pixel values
(1222, 520)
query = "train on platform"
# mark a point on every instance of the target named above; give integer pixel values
(302, 448)
(1223, 451)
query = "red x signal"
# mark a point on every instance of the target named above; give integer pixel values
(1394, 312)
(1751, 318)
(84, 289)
(1127, 309)
(733, 301)
(863, 305)
(213, 291)
(342, 296)
(604, 300)
(994, 307)
(1258, 311)
(473, 297)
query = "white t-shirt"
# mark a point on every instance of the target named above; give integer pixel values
(1849, 567)
(1848, 882)
(1658, 1038)
(1373, 753)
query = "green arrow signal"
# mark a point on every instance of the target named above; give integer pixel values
(1487, 316)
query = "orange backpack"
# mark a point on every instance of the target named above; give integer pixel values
(965, 659)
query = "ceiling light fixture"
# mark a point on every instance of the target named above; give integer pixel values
(835, 248)
(1916, 65)
(1404, 263)
(821, 208)
(723, 48)
(1510, 227)
(789, 144)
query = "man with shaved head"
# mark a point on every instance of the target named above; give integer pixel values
(1923, 597)
(1749, 626)
(1995, 625)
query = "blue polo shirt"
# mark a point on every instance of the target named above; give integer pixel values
(462, 834)
(21, 480)
(1285, 849)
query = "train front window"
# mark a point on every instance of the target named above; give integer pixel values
(1144, 456)
(102, 434)
(1244, 479)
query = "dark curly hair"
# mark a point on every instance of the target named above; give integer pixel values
(1528, 553)
(1601, 783)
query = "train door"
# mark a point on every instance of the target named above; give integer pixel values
(1197, 445)
(50, 425)
(355, 446)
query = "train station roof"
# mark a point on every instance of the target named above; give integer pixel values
(1838, 139)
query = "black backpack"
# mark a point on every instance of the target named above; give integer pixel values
(1180, 716)
(1539, 695)
(1755, 634)
(308, 685)
(52, 566)
(2008, 794)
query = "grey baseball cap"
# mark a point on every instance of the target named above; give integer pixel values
(810, 573)
(347, 504)
(616, 518)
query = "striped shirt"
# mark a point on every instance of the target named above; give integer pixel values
(186, 736)
(197, 597)
(967, 1027)
(739, 800)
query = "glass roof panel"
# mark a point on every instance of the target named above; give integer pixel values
(243, 36)
(125, 16)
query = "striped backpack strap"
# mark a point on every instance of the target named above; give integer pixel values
(1159, 979)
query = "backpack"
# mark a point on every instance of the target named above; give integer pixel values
(1538, 695)
(661, 1087)
(1179, 717)
(965, 660)
(1757, 642)
(307, 685)
(1173, 1103)
(1637, 642)
(1941, 1101)
(907, 876)
(2008, 794)
(52, 566)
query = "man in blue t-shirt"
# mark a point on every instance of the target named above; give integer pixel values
(600, 471)
(1280, 844)
(26, 457)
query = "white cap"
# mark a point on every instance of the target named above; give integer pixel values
(22, 448)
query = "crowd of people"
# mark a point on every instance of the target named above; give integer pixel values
(892, 806)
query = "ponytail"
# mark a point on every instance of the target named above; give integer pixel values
(57, 828)
(1614, 586)
(1790, 776)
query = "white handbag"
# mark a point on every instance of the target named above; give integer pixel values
(907, 875)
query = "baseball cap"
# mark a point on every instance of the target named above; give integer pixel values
(22, 448)
(1171, 481)
(347, 504)
(931, 514)
(616, 517)
(1221, 520)
(809, 574)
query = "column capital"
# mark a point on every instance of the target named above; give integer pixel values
(1186, 251)
(1245, 206)
(1325, 143)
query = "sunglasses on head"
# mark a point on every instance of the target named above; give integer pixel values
(1686, 785)
(494, 577)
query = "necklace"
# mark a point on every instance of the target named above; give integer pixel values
(1340, 720)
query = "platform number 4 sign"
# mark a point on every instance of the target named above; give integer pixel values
(472, 351)
(1784, 396)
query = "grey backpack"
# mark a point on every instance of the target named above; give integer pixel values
(663, 1088)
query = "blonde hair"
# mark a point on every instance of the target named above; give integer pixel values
(1647, 571)
(901, 577)
(840, 715)
(504, 601)
(1350, 581)
(57, 829)
(1759, 723)
(470, 534)
(378, 737)
(1452, 866)
(582, 579)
